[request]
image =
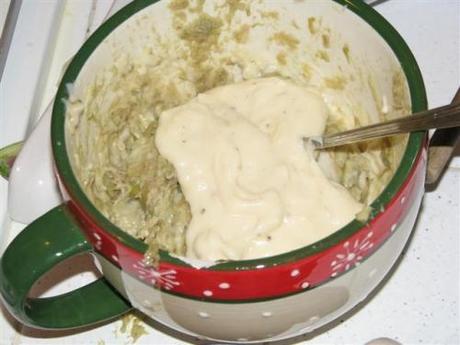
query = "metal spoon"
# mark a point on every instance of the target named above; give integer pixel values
(443, 117)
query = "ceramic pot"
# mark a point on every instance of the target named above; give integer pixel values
(241, 301)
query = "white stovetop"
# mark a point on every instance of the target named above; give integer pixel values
(419, 304)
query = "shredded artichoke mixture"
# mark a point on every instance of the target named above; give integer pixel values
(112, 124)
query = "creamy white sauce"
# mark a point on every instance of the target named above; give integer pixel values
(254, 189)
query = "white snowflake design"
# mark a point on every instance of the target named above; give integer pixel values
(165, 278)
(353, 254)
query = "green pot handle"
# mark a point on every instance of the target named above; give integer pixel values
(49, 240)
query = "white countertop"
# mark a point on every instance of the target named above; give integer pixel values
(418, 304)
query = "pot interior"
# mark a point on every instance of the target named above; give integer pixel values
(161, 54)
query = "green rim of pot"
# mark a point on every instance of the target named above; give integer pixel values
(415, 142)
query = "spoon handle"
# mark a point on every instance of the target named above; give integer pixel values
(442, 145)
(442, 117)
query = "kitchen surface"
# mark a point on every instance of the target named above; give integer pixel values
(418, 302)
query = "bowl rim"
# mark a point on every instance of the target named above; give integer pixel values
(415, 142)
